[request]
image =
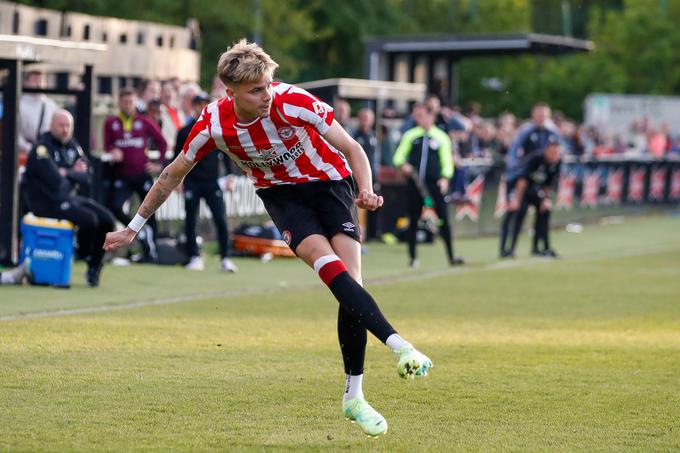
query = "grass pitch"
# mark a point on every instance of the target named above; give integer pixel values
(578, 354)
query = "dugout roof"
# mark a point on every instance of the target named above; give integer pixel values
(427, 59)
(477, 45)
(30, 49)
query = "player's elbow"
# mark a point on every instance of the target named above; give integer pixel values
(353, 147)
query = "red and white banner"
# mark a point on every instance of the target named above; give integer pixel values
(474, 192)
(636, 184)
(674, 192)
(565, 191)
(501, 199)
(591, 189)
(657, 184)
(614, 186)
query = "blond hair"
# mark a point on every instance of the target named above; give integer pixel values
(244, 62)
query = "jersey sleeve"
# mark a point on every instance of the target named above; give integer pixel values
(108, 135)
(514, 157)
(200, 142)
(405, 146)
(299, 108)
(445, 154)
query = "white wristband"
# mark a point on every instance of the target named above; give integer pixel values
(137, 223)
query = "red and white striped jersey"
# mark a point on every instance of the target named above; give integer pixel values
(286, 147)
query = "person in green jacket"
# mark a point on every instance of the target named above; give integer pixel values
(425, 158)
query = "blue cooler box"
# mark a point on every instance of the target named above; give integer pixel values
(48, 243)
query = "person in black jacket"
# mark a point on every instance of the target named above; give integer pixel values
(530, 183)
(55, 171)
(365, 136)
(202, 183)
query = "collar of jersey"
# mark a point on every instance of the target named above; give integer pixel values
(238, 123)
(127, 121)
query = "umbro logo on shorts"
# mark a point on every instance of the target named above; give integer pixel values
(349, 226)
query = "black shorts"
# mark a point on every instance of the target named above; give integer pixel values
(318, 207)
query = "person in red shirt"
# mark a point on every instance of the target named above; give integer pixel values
(126, 138)
(288, 143)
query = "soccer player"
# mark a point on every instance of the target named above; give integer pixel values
(288, 143)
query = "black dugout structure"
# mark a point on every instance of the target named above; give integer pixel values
(18, 53)
(400, 58)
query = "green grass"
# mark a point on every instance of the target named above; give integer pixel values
(579, 354)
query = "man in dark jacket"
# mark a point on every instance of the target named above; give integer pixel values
(365, 136)
(55, 170)
(531, 183)
(202, 183)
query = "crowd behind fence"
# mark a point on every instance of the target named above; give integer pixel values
(601, 171)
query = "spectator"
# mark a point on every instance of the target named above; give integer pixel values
(433, 103)
(154, 110)
(571, 139)
(638, 137)
(343, 112)
(424, 156)
(201, 182)
(533, 136)
(170, 121)
(365, 136)
(474, 112)
(55, 167)
(460, 133)
(217, 90)
(149, 90)
(484, 143)
(675, 147)
(657, 143)
(35, 112)
(506, 131)
(386, 143)
(126, 138)
(176, 85)
(187, 93)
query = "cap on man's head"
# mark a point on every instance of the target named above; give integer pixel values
(201, 98)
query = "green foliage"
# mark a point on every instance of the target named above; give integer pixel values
(636, 40)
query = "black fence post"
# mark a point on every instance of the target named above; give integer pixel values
(9, 194)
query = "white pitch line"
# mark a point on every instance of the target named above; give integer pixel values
(500, 265)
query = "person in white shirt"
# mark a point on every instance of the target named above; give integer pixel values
(35, 112)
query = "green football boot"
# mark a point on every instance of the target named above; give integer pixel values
(357, 410)
(412, 363)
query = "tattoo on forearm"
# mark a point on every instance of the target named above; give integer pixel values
(159, 192)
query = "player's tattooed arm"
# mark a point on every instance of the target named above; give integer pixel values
(169, 179)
